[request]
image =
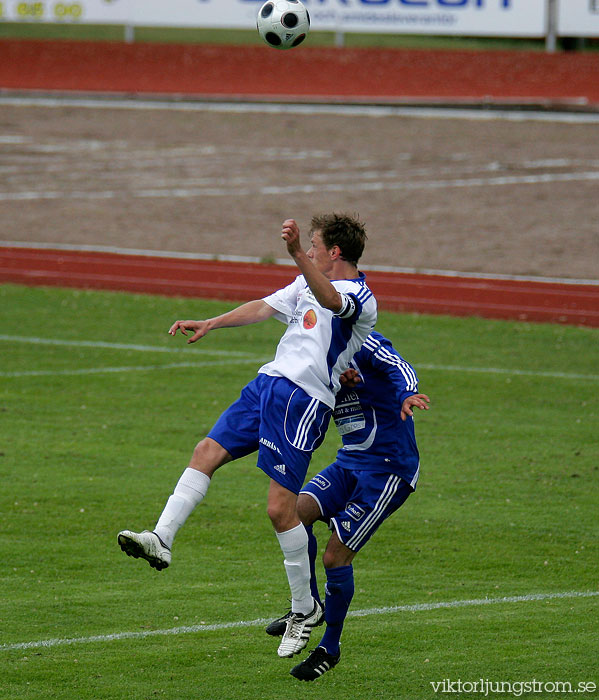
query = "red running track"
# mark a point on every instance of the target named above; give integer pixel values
(309, 73)
(553, 302)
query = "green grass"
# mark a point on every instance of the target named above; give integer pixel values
(506, 506)
(99, 32)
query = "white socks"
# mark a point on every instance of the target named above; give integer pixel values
(189, 492)
(294, 544)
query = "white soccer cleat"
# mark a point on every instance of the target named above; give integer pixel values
(146, 545)
(297, 632)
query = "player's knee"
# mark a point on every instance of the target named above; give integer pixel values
(201, 452)
(273, 512)
(337, 554)
(306, 509)
(281, 517)
(330, 560)
(208, 456)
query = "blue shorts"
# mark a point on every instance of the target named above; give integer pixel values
(279, 420)
(356, 502)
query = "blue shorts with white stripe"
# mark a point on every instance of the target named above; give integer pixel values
(356, 502)
(279, 420)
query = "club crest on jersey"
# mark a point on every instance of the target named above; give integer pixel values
(321, 482)
(309, 319)
(354, 511)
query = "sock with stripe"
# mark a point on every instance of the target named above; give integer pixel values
(294, 545)
(339, 591)
(189, 492)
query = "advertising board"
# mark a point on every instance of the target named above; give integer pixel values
(578, 18)
(519, 18)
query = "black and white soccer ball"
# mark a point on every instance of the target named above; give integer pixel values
(283, 24)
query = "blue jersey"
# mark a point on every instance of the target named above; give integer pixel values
(368, 417)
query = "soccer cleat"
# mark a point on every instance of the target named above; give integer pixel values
(146, 545)
(277, 627)
(297, 631)
(319, 662)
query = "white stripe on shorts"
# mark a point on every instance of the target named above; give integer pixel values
(301, 436)
(373, 519)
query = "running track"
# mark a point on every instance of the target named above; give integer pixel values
(527, 300)
(364, 74)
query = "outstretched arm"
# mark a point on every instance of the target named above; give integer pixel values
(326, 295)
(244, 315)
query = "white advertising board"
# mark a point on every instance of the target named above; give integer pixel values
(521, 18)
(578, 18)
(81, 11)
(450, 17)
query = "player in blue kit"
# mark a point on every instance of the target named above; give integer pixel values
(375, 471)
(284, 412)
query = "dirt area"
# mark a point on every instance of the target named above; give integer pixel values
(515, 197)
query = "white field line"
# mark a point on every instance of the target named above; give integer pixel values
(178, 105)
(234, 357)
(120, 346)
(136, 368)
(180, 255)
(517, 372)
(278, 190)
(192, 629)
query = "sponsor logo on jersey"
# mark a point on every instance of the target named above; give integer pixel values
(280, 468)
(346, 525)
(354, 511)
(309, 319)
(269, 444)
(321, 482)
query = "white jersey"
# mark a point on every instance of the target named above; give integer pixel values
(318, 344)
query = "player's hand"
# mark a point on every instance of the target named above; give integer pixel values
(290, 233)
(420, 401)
(350, 378)
(199, 329)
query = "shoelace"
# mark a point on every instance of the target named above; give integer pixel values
(296, 627)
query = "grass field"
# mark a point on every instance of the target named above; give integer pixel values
(99, 412)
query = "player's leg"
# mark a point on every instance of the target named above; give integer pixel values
(191, 488)
(293, 541)
(323, 496)
(155, 546)
(286, 521)
(305, 613)
(339, 591)
(309, 513)
(292, 426)
(234, 435)
(375, 497)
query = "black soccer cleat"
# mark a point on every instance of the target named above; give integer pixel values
(319, 662)
(277, 627)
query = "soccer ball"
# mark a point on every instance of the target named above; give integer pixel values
(283, 24)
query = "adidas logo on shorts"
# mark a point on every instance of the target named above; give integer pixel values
(280, 468)
(346, 525)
